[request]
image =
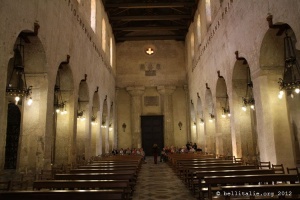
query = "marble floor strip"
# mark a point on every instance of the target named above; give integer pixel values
(158, 181)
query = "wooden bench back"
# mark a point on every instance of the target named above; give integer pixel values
(113, 194)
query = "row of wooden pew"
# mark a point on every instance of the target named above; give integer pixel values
(112, 178)
(212, 178)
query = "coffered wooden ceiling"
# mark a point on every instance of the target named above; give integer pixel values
(150, 19)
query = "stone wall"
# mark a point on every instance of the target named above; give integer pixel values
(63, 30)
(242, 26)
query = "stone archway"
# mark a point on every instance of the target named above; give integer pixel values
(29, 62)
(82, 120)
(63, 116)
(245, 123)
(210, 124)
(95, 130)
(193, 125)
(223, 131)
(104, 127)
(111, 127)
(201, 142)
(274, 116)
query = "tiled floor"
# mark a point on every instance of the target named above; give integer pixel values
(160, 182)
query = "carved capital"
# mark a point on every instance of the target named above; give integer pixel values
(167, 90)
(135, 91)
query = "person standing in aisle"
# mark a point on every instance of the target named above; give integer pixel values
(155, 153)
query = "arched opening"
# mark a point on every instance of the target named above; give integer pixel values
(82, 121)
(103, 35)
(111, 52)
(245, 123)
(93, 15)
(12, 136)
(198, 29)
(279, 123)
(223, 131)
(210, 128)
(192, 45)
(208, 12)
(63, 116)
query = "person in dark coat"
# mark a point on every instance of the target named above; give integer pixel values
(155, 153)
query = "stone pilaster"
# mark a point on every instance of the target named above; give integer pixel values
(136, 111)
(188, 114)
(166, 94)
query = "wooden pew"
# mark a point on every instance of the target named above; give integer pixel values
(249, 179)
(189, 172)
(113, 194)
(292, 191)
(95, 176)
(84, 184)
(5, 185)
(80, 184)
(103, 170)
(201, 174)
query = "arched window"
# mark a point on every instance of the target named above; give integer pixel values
(103, 35)
(208, 12)
(198, 29)
(192, 45)
(111, 51)
(93, 15)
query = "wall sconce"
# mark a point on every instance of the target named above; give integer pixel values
(94, 117)
(124, 127)
(110, 127)
(201, 121)
(180, 125)
(103, 124)
(80, 113)
(212, 117)
(194, 125)
(226, 109)
(248, 100)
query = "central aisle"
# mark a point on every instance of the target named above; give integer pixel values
(159, 182)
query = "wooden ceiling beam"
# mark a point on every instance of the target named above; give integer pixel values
(149, 17)
(151, 37)
(149, 5)
(150, 28)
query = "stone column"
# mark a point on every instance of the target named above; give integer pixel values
(188, 114)
(98, 134)
(136, 111)
(166, 94)
(273, 126)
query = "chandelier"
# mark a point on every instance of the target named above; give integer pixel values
(93, 118)
(80, 112)
(248, 100)
(59, 103)
(226, 109)
(291, 76)
(17, 86)
(212, 117)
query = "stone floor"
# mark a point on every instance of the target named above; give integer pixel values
(160, 182)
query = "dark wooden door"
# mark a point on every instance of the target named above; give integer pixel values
(12, 136)
(152, 132)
